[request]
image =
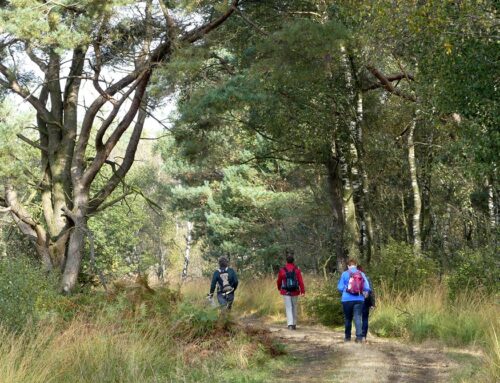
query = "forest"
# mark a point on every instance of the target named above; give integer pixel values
(140, 141)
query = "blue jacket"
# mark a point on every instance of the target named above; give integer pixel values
(217, 280)
(342, 286)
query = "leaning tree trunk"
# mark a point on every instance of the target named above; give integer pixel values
(417, 203)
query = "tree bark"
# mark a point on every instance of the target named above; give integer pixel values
(337, 203)
(350, 171)
(492, 209)
(417, 202)
(187, 251)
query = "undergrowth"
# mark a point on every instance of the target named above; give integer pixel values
(135, 334)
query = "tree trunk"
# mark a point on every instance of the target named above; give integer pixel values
(492, 210)
(361, 188)
(446, 237)
(187, 252)
(77, 236)
(417, 203)
(337, 203)
(352, 237)
(74, 255)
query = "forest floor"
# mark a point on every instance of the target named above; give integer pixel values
(322, 356)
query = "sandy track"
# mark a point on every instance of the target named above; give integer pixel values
(323, 356)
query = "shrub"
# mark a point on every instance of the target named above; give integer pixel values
(397, 268)
(26, 292)
(322, 302)
(476, 269)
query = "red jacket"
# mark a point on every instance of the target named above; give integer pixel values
(282, 276)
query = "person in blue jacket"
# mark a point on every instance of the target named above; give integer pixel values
(226, 280)
(352, 302)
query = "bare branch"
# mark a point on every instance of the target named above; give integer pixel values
(112, 115)
(251, 23)
(114, 201)
(14, 85)
(394, 77)
(33, 57)
(387, 85)
(128, 160)
(200, 32)
(32, 143)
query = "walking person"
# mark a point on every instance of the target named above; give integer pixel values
(227, 282)
(354, 287)
(368, 304)
(290, 285)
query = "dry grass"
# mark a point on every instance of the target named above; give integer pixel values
(133, 342)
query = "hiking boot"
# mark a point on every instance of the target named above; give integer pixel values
(294, 327)
(290, 327)
(346, 340)
(359, 340)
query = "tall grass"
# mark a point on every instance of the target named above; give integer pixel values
(471, 319)
(136, 337)
(260, 297)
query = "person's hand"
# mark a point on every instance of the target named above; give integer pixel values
(210, 295)
(365, 294)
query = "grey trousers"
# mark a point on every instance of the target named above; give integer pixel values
(291, 309)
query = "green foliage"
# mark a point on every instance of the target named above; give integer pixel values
(195, 322)
(322, 302)
(397, 268)
(388, 322)
(475, 270)
(15, 165)
(26, 293)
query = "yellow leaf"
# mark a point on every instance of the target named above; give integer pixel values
(448, 47)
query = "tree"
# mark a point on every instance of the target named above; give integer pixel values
(73, 45)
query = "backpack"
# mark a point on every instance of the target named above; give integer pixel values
(356, 283)
(290, 283)
(225, 287)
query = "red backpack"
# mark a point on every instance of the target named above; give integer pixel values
(356, 283)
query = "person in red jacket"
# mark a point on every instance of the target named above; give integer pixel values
(291, 285)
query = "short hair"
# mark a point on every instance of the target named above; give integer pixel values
(352, 262)
(360, 268)
(223, 262)
(290, 258)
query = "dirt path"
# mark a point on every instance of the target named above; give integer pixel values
(323, 356)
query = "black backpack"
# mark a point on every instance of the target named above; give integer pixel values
(290, 283)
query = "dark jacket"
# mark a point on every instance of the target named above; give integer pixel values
(217, 280)
(370, 299)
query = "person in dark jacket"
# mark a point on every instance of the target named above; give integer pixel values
(226, 280)
(368, 303)
(290, 294)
